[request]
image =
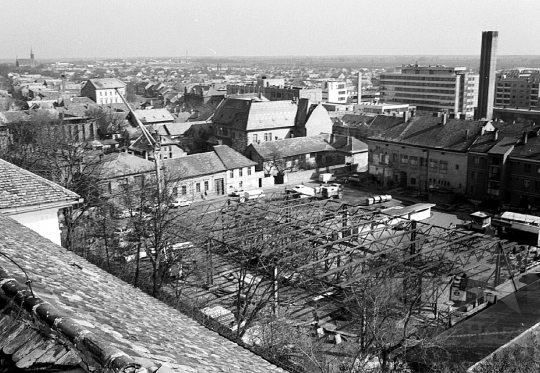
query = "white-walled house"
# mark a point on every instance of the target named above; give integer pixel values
(32, 200)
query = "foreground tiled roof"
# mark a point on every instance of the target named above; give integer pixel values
(103, 316)
(21, 188)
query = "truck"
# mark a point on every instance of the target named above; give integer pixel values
(325, 191)
(326, 177)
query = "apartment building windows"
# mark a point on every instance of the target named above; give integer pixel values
(404, 159)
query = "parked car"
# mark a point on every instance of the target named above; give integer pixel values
(180, 202)
(237, 193)
(251, 194)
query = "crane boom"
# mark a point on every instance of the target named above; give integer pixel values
(151, 140)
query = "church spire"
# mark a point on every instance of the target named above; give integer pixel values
(31, 53)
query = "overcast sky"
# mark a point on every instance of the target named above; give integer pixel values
(133, 28)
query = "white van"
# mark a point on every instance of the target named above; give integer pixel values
(251, 194)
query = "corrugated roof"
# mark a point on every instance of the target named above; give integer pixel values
(112, 318)
(21, 188)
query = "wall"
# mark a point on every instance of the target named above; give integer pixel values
(248, 180)
(44, 222)
(191, 187)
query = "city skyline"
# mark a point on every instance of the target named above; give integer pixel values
(97, 28)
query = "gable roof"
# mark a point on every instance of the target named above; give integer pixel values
(246, 115)
(121, 327)
(231, 158)
(20, 188)
(123, 164)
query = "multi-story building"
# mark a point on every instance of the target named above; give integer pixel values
(425, 153)
(238, 123)
(104, 91)
(432, 88)
(504, 167)
(518, 88)
(335, 92)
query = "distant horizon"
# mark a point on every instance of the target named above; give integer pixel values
(259, 56)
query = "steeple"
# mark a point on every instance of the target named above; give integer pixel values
(31, 53)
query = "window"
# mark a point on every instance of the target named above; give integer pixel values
(413, 181)
(184, 190)
(232, 174)
(527, 167)
(240, 184)
(249, 170)
(526, 183)
(240, 172)
(443, 166)
(433, 164)
(109, 187)
(175, 191)
(394, 158)
(476, 160)
(414, 161)
(198, 187)
(139, 181)
(266, 137)
(423, 162)
(404, 159)
(457, 167)
(474, 175)
(206, 185)
(255, 137)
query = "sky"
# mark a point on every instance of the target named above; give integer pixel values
(173, 28)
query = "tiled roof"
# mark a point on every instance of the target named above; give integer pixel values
(231, 158)
(119, 324)
(123, 164)
(195, 165)
(428, 132)
(504, 145)
(246, 115)
(356, 119)
(21, 188)
(292, 147)
(530, 150)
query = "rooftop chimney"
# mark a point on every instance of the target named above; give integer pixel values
(467, 134)
(444, 119)
(496, 133)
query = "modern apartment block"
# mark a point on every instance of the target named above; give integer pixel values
(518, 88)
(432, 88)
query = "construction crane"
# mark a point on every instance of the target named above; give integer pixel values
(151, 140)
